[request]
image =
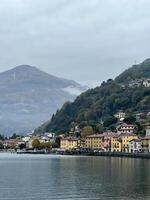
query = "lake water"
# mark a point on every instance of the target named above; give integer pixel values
(44, 177)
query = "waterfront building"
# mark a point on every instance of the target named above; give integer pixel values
(106, 140)
(135, 146)
(94, 141)
(116, 144)
(126, 138)
(26, 139)
(69, 143)
(45, 139)
(12, 143)
(30, 141)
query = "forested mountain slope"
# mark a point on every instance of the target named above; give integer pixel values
(100, 103)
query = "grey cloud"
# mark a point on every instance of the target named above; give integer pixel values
(87, 41)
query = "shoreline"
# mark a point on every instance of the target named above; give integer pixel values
(104, 154)
(113, 154)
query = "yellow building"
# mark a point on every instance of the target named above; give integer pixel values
(94, 141)
(70, 143)
(126, 138)
(116, 144)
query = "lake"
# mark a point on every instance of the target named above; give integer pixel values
(44, 177)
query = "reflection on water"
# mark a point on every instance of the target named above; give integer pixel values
(44, 177)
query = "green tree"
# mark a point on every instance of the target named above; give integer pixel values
(57, 142)
(22, 146)
(1, 146)
(36, 144)
(130, 119)
(46, 145)
(14, 136)
(109, 121)
(2, 137)
(87, 130)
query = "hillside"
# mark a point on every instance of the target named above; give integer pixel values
(29, 96)
(135, 72)
(100, 103)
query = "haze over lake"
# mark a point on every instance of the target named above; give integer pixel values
(36, 177)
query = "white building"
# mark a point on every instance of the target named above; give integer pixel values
(135, 146)
(120, 115)
(146, 83)
(127, 128)
(26, 138)
(148, 131)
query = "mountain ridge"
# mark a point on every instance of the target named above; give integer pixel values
(100, 103)
(24, 72)
(135, 72)
(29, 96)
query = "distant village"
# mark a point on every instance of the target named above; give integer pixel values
(125, 139)
(139, 82)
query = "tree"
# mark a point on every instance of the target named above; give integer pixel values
(1, 146)
(99, 128)
(22, 146)
(36, 144)
(112, 128)
(46, 145)
(57, 142)
(140, 129)
(87, 130)
(2, 137)
(109, 121)
(130, 119)
(14, 136)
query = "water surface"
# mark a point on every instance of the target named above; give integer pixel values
(44, 177)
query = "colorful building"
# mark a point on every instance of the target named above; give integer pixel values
(106, 140)
(135, 146)
(116, 144)
(126, 138)
(94, 141)
(70, 143)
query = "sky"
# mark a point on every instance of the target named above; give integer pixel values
(84, 40)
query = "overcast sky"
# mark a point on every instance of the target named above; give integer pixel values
(84, 40)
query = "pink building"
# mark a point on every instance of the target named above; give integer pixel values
(107, 140)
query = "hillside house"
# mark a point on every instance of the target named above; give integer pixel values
(120, 115)
(146, 83)
(127, 128)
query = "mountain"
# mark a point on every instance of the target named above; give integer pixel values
(29, 96)
(100, 104)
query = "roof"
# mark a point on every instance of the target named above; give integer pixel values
(124, 124)
(95, 136)
(146, 137)
(70, 138)
(136, 140)
(127, 134)
(109, 134)
(118, 138)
